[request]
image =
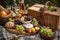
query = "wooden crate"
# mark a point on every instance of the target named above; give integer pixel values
(51, 19)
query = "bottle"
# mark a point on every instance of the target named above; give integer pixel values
(22, 7)
(14, 7)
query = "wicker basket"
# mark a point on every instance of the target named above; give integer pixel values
(20, 33)
(46, 37)
(49, 18)
(13, 30)
(5, 19)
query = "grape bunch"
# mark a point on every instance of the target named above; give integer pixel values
(27, 18)
(47, 32)
(34, 21)
(20, 28)
(17, 21)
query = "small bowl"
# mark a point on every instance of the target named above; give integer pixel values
(23, 20)
(26, 22)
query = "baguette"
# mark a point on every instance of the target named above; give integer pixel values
(13, 31)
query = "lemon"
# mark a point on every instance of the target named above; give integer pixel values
(33, 29)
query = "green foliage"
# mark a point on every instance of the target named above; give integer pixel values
(55, 2)
(4, 3)
(30, 2)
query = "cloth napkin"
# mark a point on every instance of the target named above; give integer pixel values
(7, 35)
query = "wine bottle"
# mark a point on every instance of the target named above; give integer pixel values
(22, 7)
(14, 7)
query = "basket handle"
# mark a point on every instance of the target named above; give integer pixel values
(48, 2)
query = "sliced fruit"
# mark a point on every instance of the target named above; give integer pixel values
(37, 28)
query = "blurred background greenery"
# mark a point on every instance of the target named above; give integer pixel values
(4, 3)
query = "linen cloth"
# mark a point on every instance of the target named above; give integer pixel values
(8, 35)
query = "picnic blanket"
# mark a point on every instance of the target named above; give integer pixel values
(8, 35)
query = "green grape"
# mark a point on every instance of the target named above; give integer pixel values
(41, 31)
(34, 21)
(20, 28)
(46, 31)
(10, 19)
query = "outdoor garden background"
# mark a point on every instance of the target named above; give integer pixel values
(4, 3)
